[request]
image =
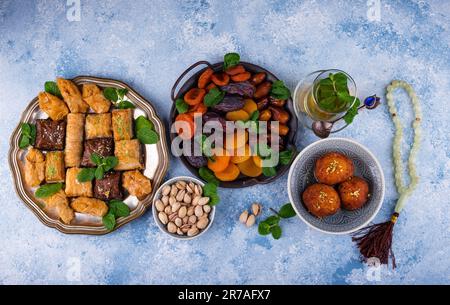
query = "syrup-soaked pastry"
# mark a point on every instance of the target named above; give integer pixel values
(72, 96)
(75, 188)
(103, 147)
(94, 97)
(109, 187)
(122, 124)
(136, 183)
(98, 126)
(321, 200)
(333, 168)
(89, 206)
(34, 167)
(54, 167)
(54, 107)
(128, 153)
(74, 139)
(61, 203)
(354, 193)
(50, 134)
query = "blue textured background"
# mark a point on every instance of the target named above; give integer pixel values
(148, 44)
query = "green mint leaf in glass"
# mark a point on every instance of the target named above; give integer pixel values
(52, 88)
(109, 221)
(110, 162)
(352, 112)
(125, 105)
(269, 171)
(213, 97)
(119, 208)
(287, 211)
(142, 122)
(276, 232)
(207, 175)
(264, 228)
(86, 174)
(280, 91)
(48, 189)
(286, 156)
(181, 105)
(110, 94)
(230, 60)
(99, 172)
(147, 136)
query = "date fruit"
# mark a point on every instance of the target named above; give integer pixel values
(230, 103)
(262, 90)
(244, 89)
(279, 114)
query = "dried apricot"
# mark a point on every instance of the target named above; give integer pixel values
(205, 78)
(240, 155)
(257, 160)
(236, 140)
(238, 115)
(242, 77)
(199, 108)
(249, 168)
(228, 174)
(235, 70)
(220, 79)
(210, 86)
(219, 161)
(194, 96)
(250, 106)
(184, 125)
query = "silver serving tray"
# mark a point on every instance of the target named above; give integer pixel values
(156, 160)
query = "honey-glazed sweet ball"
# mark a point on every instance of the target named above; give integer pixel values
(333, 168)
(354, 193)
(321, 200)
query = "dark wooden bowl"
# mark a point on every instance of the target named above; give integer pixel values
(242, 181)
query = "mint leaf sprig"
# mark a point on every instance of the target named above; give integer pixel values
(265, 152)
(210, 188)
(52, 88)
(117, 209)
(28, 135)
(231, 60)
(48, 190)
(271, 225)
(117, 97)
(145, 132)
(104, 164)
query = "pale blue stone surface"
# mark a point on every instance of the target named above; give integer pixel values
(148, 44)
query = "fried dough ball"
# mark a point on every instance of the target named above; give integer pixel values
(354, 193)
(321, 200)
(333, 168)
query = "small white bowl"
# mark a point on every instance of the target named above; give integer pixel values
(157, 196)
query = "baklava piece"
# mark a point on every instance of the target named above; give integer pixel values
(75, 188)
(109, 187)
(55, 108)
(74, 139)
(98, 126)
(54, 167)
(50, 134)
(94, 97)
(122, 124)
(89, 206)
(72, 96)
(34, 167)
(128, 153)
(136, 184)
(101, 146)
(61, 203)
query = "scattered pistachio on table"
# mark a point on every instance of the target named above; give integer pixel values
(249, 219)
(182, 209)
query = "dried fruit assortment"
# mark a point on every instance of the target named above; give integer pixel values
(236, 94)
(183, 208)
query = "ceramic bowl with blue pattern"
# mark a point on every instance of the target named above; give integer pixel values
(301, 175)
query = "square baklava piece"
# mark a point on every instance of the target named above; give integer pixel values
(75, 188)
(103, 147)
(108, 188)
(98, 126)
(50, 134)
(128, 153)
(54, 167)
